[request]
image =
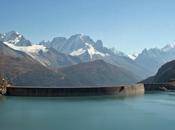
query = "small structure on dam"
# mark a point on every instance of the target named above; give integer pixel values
(126, 90)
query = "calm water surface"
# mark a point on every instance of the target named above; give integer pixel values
(153, 111)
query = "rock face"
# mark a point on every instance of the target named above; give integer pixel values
(22, 69)
(165, 74)
(79, 45)
(152, 59)
(48, 57)
(62, 52)
(15, 38)
(97, 73)
(86, 49)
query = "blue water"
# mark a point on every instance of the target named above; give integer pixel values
(152, 111)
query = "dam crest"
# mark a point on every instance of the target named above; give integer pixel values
(123, 90)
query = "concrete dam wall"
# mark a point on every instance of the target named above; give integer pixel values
(129, 90)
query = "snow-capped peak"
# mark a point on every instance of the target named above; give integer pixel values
(34, 49)
(88, 48)
(133, 56)
(168, 47)
(15, 38)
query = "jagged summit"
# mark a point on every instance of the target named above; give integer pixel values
(15, 38)
(79, 45)
(168, 47)
(61, 52)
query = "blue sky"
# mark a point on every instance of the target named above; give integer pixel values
(127, 25)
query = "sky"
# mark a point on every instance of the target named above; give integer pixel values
(128, 25)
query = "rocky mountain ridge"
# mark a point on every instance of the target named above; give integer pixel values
(62, 52)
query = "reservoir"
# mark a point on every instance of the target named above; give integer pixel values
(152, 111)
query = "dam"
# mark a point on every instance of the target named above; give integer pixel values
(126, 90)
(55, 91)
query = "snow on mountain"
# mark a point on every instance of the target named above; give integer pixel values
(168, 47)
(79, 45)
(48, 57)
(83, 47)
(154, 58)
(76, 42)
(61, 52)
(133, 56)
(78, 52)
(90, 49)
(15, 38)
(34, 51)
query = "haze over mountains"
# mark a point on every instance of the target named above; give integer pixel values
(153, 59)
(165, 74)
(97, 73)
(21, 69)
(63, 52)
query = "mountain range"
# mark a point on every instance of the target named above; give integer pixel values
(143, 64)
(61, 52)
(152, 59)
(21, 69)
